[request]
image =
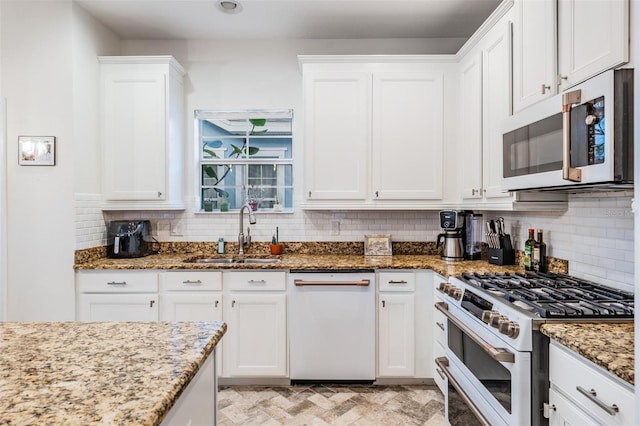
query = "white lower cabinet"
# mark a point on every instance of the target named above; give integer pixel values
(117, 296)
(583, 393)
(404, 337)
(396, 324)
(191, 296)
(255, 310)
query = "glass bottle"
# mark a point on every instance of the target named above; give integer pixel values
(528, 251)
(540, 254)
(224, 204)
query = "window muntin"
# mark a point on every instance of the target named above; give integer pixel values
(246, 155)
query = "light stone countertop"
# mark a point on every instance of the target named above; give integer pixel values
(75, 373)
(607, 344)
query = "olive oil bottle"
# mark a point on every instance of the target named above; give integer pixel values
(528, 251)
(540, 254)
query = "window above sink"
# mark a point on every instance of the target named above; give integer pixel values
(245, 156)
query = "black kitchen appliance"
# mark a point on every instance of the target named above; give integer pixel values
(126, 239)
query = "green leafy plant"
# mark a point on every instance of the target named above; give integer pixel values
(210, 170)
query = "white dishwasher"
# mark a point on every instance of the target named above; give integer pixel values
(332, 326)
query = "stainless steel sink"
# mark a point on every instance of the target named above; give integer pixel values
(213, 261)
(233, 261)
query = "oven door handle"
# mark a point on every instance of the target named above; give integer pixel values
(498, 354)
(573, 174)
(443, 363)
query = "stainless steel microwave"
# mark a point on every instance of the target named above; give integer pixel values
(579, 139)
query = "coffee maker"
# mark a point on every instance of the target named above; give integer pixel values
(462, 237)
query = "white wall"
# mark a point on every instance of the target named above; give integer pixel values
(43, 75)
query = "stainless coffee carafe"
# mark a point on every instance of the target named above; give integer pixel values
(452, 223)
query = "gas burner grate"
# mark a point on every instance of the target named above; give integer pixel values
(555, 295)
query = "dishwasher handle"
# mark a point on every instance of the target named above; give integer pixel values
(358, 283)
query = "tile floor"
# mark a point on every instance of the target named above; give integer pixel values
(327, 404)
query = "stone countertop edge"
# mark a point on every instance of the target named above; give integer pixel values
(309, 262)
(77, 373)
(607, 344)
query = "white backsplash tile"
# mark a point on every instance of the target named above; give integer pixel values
(595, 233)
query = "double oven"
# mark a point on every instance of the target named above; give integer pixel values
(496, 359)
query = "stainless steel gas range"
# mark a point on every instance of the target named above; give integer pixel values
(496, 359)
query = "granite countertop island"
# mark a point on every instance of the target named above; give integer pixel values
(76, 373)
(607, 344)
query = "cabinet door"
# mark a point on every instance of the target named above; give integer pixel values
(496, 106)
(593, 36)
(564, 413)
(255, 344)
(134, 130)
(337, 135)
(534, 52)
(470, 122)
(407, 137)
(396, 335)
(190, 307)
(118, 307)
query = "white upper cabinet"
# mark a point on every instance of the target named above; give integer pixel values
(534, 52)
(593, 36)
(496, 106)
(142, 115)
(337, 133)
(408, 135)
(374, 132)
(470, 113)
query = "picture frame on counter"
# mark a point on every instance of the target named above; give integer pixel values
(377, 245)
(37, 150)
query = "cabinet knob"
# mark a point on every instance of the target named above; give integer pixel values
(151, 303)
(215, 304)
(545, 88)
(383, 304)
(309, 194)
(376, 194)
(233, 303)
(159, 194)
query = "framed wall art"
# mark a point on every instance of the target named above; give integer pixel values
(37, 150)
(377, 245)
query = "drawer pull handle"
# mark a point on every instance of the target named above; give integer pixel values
(192, 282)
(216, 304)
(383, 304)
(257, 282)
(397, 282)
(441, 325)
(151, 302)
(593, 396)
(117, 283)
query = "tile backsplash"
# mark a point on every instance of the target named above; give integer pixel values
(595, 234)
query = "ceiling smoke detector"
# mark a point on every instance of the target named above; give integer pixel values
(229, 6)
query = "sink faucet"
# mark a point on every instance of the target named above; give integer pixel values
(245, 239)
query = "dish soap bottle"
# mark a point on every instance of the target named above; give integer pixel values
(220, 245)
(528, 251)
(224, 204)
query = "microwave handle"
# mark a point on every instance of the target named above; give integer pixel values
(572, 174)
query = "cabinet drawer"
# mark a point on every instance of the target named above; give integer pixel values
(568, 371)
(255, 281)
(191, 281)
(396, 281)
(117, 282)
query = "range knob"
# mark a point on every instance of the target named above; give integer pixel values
(457, 294)
(496, 319)
(509, 328)
(443, 286)
(451, 289)
(486, 316)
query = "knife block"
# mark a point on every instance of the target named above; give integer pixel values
(505, 255)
